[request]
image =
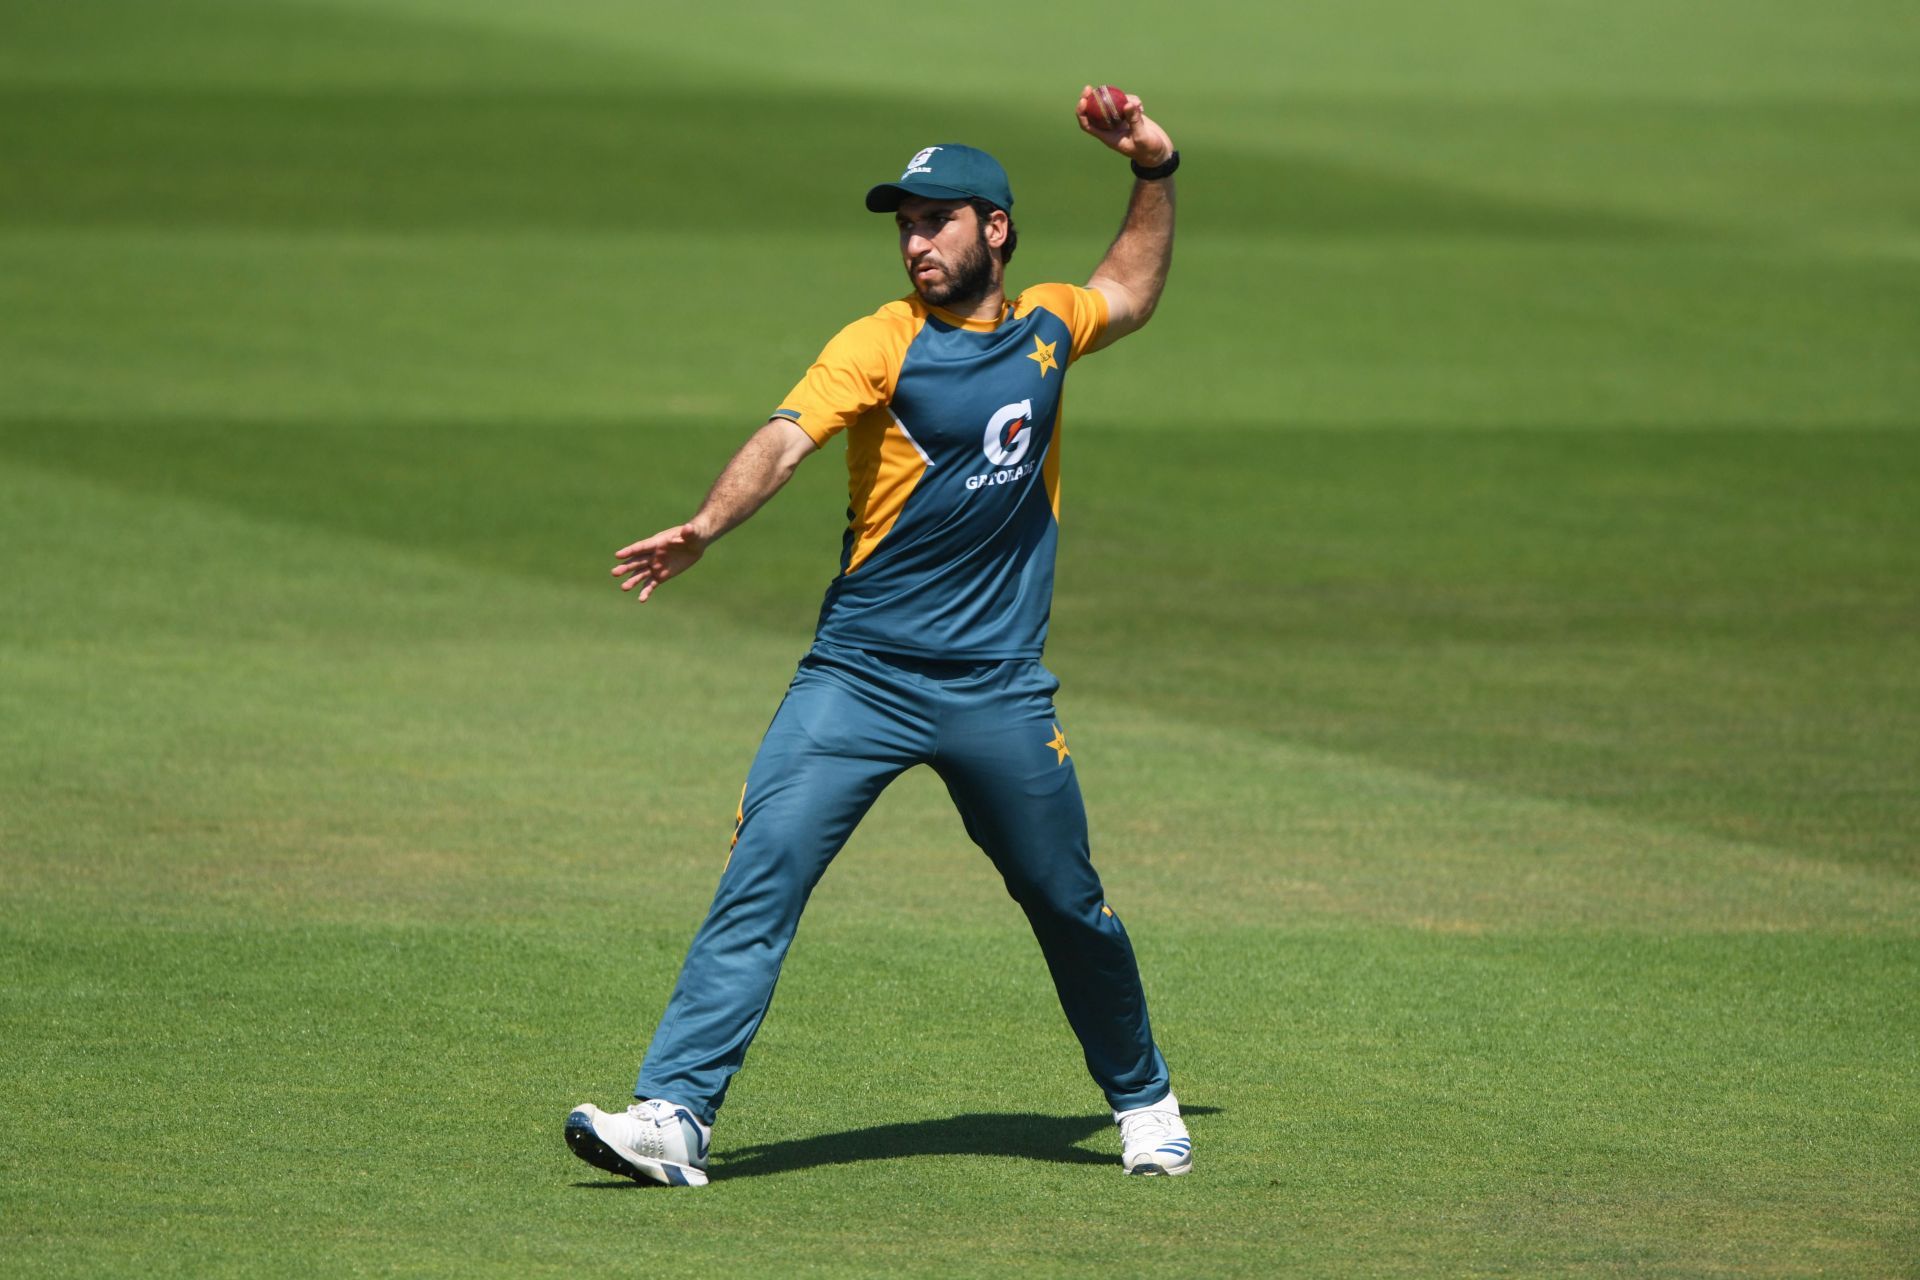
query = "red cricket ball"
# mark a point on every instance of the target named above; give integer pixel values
(1106, 106)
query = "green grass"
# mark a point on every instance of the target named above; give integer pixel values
(1487, 611)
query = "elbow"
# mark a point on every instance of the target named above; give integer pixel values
(1129, 306)
(1140, 309)
(796, 452)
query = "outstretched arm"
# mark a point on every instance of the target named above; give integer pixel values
(764, 463)
(1134, 271)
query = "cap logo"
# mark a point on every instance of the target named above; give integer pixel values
(919, 162)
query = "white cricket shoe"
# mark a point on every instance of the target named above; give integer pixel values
(1154, 1140)
(652, 1140)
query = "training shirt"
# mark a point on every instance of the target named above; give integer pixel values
(953, 470)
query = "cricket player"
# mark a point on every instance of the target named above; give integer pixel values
(929, 641)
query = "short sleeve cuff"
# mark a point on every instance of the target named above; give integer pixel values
(795, 416)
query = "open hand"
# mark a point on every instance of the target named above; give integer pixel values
(1137, 137)
(651, 561)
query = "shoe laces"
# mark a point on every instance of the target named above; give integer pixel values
(653, 1126)
(1150, 1128)
(648, 1139)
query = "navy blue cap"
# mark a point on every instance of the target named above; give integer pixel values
(946, 172)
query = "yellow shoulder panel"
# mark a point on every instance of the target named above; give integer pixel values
(1083, 311)
(855, 373)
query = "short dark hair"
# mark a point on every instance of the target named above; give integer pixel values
(981, 210)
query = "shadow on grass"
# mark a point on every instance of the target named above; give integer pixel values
(492, 159)
(1051, 1139)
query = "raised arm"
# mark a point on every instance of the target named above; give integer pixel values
(1134, 271)
(758, 469)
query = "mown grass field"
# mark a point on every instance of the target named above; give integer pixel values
(1489, 615)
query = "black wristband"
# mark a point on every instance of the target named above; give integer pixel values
(1158, 171)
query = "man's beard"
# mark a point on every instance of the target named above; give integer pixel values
(966, 283)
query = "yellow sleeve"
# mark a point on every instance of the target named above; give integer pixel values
(855, 373)
(1084, 311)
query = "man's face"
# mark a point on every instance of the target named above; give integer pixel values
(944, 246)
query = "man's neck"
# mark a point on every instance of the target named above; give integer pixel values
(991, 305)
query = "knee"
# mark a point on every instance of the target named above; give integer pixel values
(1057, 905)
(768, 876)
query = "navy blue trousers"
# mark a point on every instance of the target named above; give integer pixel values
(853, 721)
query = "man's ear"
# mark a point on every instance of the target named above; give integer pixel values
(996, 228)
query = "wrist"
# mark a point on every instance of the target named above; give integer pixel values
(1153, 169)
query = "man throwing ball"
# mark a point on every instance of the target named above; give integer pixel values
(929, 642)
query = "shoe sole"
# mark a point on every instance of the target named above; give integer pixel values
(1155, 1171)
(589, 1146)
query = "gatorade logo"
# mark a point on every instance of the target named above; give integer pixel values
(919, 162)
(1009, 433)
